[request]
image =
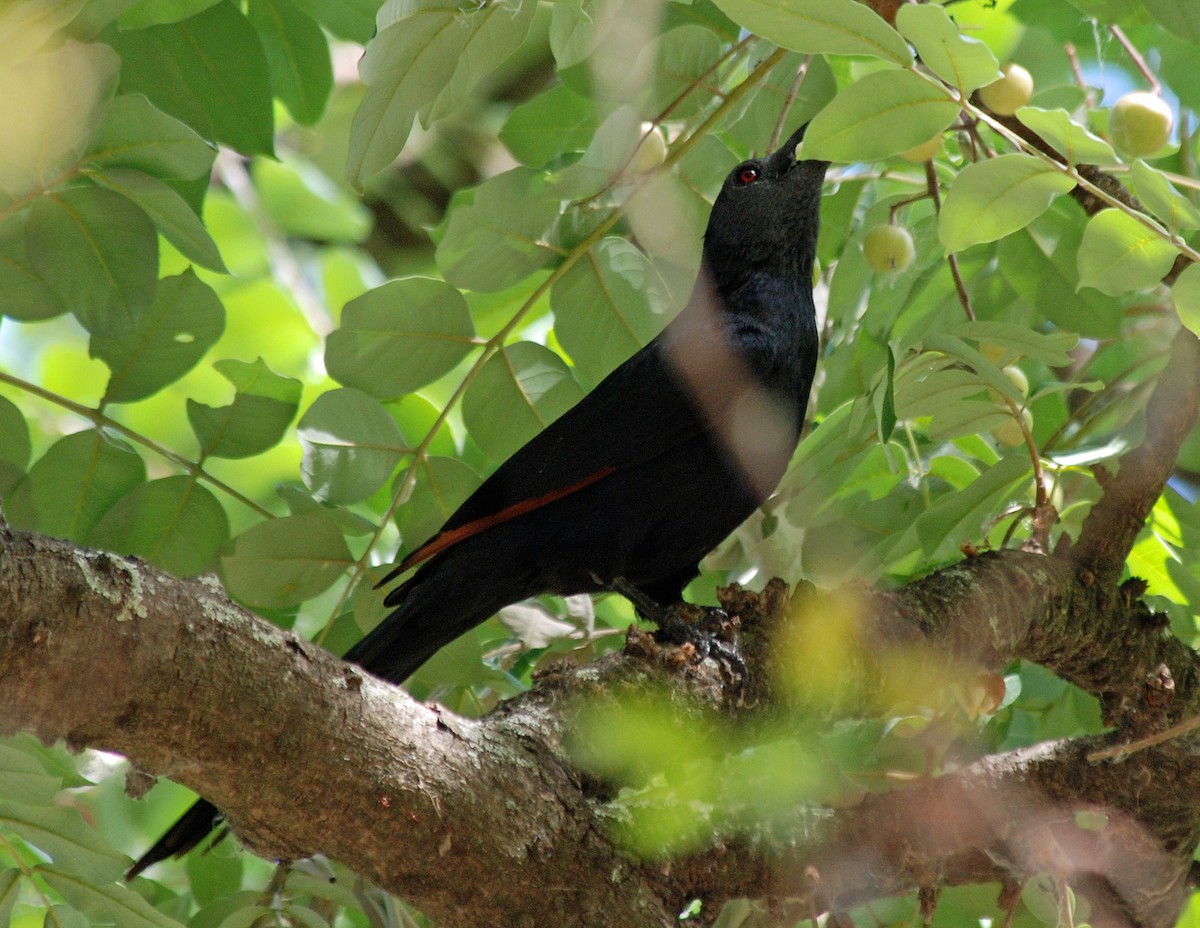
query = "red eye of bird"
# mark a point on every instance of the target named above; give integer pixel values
(747, 174)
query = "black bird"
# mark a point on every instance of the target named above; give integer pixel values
(629, 489)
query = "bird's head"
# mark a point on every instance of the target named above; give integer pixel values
(765, 218)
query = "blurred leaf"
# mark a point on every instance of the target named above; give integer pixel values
(304, 203)
(27, 296)
(521, 389)
(400, 336)
(15, 446)
(608, 305)
(23, 779)
(10, 892)
(1179, 16)
(50, 106)
(351, 446)
(346, 19)
(134, 134)
(208, 71)
(173, 522)
(170, 212)
(1050, 348)
(1186, 292)
(297, 57)
(168, 340)
(1157, 194)
(881, 114)
(962, 62)
(839, 27)
(1068, 138)
(1118, 254)
(98, 253)
(994, 198)
(495, 235)
(66, 839)
(608, 155)
(106, 899)
(145, 13)
(282, 562)
(73, 484)
(262, 409)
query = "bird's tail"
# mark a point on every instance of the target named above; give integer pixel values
(181, 837)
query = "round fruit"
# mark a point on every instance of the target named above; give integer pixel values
(923, 152)
(1141, 123)
(1017, 378)
(1010, 93)
(888, 249)
(650, 153)
(1009, 434)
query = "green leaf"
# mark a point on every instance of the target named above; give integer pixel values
(1181, 17)
(495, 235)
(285, 561)
(262, 409)
(1118, 254)
(304, 203)
(24, 779)
(607, 156)
(98, 253)
(1075, 143)
(405, 67)
(27, 296)
(174, 523)
(961, 62)
(1049, 348)
(778, 94)
(960, 516)
(838, 27)
(135, 134)
(170, 212)
(884, 113)
(10, 892)
(209, 71)
(442, 485)
(168, 340)
(1186, 292)
(297, 57)
(496, 32)
(66, 839)
(73, 484)
(347, 19)
(351, 446)
(145, 13)
(886, 400)
(106, 899)
(15, 445)
(50, 106)
(541, 129)
(521, 389)
(1159, 195)
(607, 306)
(400, 336)
(991, 199)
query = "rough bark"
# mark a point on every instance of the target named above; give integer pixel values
(486, 822)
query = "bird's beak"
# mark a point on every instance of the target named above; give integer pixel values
(783, 159)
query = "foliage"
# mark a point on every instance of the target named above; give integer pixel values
(265, 320)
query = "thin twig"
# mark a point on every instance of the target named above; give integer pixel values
(931, 182)
(1136, 57)
(1119, 752)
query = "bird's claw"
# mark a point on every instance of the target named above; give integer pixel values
(709, 631)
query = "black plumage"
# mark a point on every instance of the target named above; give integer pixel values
(652, 469)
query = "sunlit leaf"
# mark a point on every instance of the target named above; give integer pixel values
(840, 27)
(962, 62)
(297, 55)
(1158, 195)
(1118, 254)
(65, 838)
(135, 134)
(882, 114)
(994, 198)
(1067, 137)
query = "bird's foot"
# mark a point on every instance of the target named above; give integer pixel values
(708, 630)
